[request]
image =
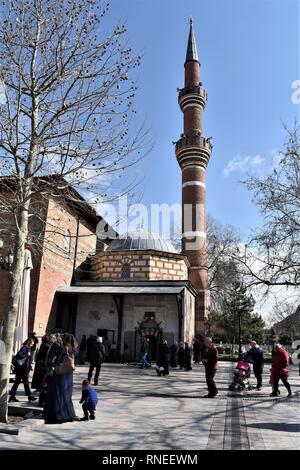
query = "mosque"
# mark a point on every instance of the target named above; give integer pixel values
(139, 285)
(135, 285)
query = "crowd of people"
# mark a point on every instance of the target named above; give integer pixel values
(181, 354)
(57, 355)
(53, 376)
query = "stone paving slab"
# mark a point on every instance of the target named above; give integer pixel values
(139, 410)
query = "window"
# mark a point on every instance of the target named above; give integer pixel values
(126, 270)
(149, 315)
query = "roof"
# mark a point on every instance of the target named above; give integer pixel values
(56, 186)
(127, 287)
(141, 240)
(191, 52)
(120, 290)
(292, 319)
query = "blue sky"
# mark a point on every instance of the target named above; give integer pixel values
(249, 54)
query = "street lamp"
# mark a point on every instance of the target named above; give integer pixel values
(240, 331)
(7, 260)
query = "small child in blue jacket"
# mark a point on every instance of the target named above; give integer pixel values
(89, 400)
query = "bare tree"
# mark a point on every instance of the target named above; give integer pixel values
(282, 319)
(222, 244)
(66, 110)
(273, 254)
(221, 249)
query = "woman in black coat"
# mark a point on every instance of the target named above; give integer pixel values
(59, 406)
(180, 355)
(187, 357)
(40, 364)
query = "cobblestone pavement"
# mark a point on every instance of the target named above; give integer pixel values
(139, 410)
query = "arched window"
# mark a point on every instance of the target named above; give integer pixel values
(126, 270)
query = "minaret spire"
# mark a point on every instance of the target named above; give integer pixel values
(193, 152)
(191, 52)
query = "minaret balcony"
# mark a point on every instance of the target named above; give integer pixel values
(192, 96)
(193, 150)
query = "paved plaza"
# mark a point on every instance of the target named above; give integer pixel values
(139, 410)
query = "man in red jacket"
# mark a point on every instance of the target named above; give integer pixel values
(280, 369)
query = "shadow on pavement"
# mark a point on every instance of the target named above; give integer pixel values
(288, 427)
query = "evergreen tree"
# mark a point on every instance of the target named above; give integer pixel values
(238, 308)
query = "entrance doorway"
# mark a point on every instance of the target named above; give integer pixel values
(151, 329)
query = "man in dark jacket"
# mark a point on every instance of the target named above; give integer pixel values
(210, 361)
(97, 358)
(163, 359)
(256, 355)
(89, 346)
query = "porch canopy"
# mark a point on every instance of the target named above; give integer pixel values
(120, 289)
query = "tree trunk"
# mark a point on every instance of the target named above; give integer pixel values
(11, 310)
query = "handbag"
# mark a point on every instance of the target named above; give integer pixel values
(66, 366)
(19, 361)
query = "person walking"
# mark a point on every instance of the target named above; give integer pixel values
(97, 358)
(145, 353)
(210, 361)
(280, 370)
(256, 355)
(22, 362)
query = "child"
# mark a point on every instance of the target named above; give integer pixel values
(89, 400)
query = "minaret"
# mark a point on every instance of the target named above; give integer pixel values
(193, 153)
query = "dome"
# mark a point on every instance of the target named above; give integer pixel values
(141, 240)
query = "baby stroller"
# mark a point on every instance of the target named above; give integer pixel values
(241, 376)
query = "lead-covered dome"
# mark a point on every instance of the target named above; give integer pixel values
(141, 240)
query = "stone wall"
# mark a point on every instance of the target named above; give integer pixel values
(98, 311)
(149, 265)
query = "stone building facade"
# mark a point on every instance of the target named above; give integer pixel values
(137, 287)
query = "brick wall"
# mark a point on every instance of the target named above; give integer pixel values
(58, 255)
(52, 231)
(149, 265)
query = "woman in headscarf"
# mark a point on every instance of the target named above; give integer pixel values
(59, 406)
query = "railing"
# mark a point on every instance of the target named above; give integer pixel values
(195, 90)
(194, 141)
